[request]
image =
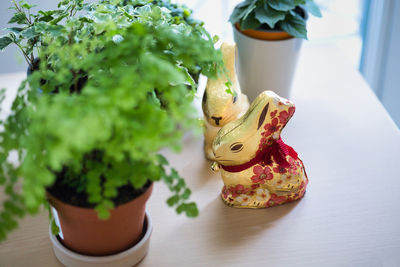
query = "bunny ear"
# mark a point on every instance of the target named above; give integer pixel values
(262, 116)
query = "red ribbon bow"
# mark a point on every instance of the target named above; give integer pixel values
(278, 150)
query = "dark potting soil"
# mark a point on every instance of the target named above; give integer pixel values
(33, 67)
(69, 194)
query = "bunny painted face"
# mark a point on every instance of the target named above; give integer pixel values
(239, 141)
(220, 107)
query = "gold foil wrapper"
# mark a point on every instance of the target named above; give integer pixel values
(257, 168)
(219, 106)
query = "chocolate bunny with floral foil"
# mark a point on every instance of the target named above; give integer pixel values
(258, 169)
(220, 107)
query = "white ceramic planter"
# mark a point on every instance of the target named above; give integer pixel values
(129, 257)
(266, 65)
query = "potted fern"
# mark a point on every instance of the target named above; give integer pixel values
(269, 35)
(109, 91)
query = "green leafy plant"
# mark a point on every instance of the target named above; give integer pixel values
(27, 35)
(110, 91)
(31, 27)
(179, 13)
(282, 15)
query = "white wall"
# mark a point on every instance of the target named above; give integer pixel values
(11, 60)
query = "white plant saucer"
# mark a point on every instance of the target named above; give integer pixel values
(129, 257)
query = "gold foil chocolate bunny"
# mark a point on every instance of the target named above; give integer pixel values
(220, 107)
(258, 169)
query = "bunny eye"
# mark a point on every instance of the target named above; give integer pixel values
(234, 99)
(236, 147)
(262, 116)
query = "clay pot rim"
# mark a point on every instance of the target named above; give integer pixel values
(108, 258)
(269, 35)
(264, 35)
(51, 198)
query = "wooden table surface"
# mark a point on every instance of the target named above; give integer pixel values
(350, 215)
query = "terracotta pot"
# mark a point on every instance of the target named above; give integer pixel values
(266, 60)
(129, 257)
(82, 231)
